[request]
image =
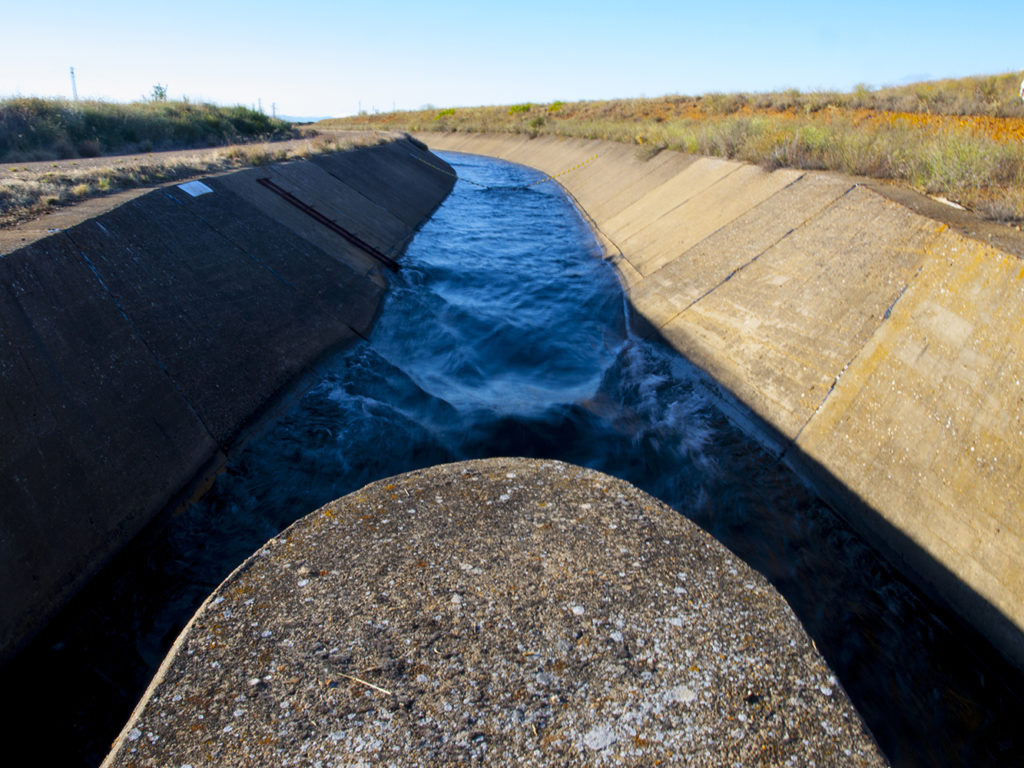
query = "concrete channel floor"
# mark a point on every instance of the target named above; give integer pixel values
(503, 612)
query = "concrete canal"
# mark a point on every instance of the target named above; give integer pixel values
(506, 334)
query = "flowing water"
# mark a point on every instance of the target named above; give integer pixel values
(506, 334)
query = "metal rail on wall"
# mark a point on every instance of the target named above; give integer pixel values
(332, 225)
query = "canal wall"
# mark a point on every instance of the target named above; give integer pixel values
(876, 350)
(137, 348)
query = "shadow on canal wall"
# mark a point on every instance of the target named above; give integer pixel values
(877, 351)
(138, 347)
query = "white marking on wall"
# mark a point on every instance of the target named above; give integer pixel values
(194, 188)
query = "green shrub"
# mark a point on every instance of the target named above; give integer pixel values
(48, 129)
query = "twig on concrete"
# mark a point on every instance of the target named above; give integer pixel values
(364, 682)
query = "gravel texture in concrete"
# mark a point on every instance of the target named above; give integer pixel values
(502, 611)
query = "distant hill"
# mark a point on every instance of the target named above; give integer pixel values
(302, 119)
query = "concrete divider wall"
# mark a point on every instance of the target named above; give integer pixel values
(136, 347)
(881, 353)
(492, 623)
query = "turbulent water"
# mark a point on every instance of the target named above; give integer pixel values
(506, 334)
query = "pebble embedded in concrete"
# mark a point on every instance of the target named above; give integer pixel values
(579, 621)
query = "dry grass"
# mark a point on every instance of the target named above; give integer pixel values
(28, 190)
(959, 139)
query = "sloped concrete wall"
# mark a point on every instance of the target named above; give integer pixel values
(880, 353)
(137, 347)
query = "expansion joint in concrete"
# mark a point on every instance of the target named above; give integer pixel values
(697, 192)
(754, 258)
(867, 342)
(240, 246)
(355, 190)
(357, 332)
(728, 277)
(139, 335)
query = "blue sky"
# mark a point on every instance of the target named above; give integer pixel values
(313, 58)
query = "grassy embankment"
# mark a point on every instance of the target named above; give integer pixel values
(959, 139)
(34, 130)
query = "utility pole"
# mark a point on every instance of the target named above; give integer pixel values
(260, 102)
(74, 88)
(273, 109)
